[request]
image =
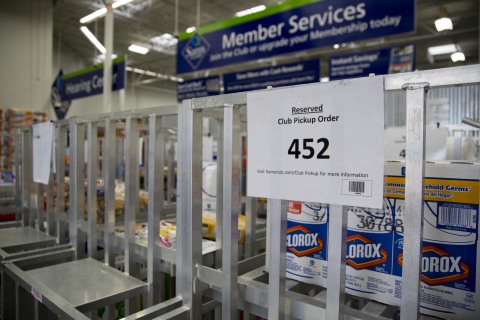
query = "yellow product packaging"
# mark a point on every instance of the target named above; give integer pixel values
(209, 220)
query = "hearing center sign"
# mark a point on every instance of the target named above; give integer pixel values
(89, 81)
(292, 26)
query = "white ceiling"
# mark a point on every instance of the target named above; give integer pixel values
(141, 20)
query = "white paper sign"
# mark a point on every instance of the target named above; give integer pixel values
(435, 145)
(42, 151)
(320, 143)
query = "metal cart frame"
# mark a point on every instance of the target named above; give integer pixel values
(24, 275)
(244, 285)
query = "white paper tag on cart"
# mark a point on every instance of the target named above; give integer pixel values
(42, 151)
(320, 142)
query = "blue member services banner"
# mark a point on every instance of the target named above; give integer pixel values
(89, 81)
(277, 76)
(197, 88)
(382, 61)
(292, 26)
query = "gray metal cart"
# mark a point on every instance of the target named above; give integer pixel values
(66, 283)
(244, 285)
(21, 237)
(10, 201)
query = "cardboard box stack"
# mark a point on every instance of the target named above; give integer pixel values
(2, 144)
(12, 121)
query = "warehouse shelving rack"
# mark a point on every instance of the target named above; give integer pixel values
(24, 236)
(10, 192)
(87, 283)
(244, 284)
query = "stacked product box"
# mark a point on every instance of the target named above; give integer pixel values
(2, 144)
(450, 286)
(14, 120)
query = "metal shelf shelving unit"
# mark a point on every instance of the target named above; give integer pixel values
(89, 283)
(244, 285)
(24, 236)
(221, 288)
(10, 192)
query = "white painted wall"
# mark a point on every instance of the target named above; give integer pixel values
(26, 29)
(30, 60)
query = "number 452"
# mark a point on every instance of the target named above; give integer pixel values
(308, 150)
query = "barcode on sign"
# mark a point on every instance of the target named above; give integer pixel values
(356, 186)
(456, 217)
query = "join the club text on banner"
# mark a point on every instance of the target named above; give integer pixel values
(292, 26)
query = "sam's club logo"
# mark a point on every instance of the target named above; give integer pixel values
(440, 267)
(195, 50)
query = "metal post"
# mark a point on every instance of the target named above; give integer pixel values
(92, 175)
(108, 165)
(415, 166)
(107, 64)
(337, 248)
(219, 191)
(171, 171)
(27, 177)
(77, 183)
(108, 168)
(120, 159)
(18, 199)
(219, 203)
(155, 204)
(50, 206)
(189, 205)
(231, 209)
(146, 160)
(277, 212)
(250, 223)
(60, 179)
(39, 207)
(132, 186)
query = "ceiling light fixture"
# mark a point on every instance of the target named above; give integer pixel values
(443, 22)
(165, 43)
(138, 49)
(154, 74)
(164, 40)
(191, 29)
(101, 57)
(445, 49)
(94, 15)
(93, 40)
(103, 11)
(458, 56)
(250, 11)
(150, 73)
(120, 3)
